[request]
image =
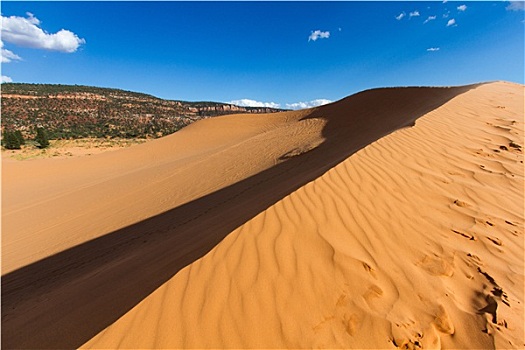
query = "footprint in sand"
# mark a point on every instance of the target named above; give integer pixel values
(490, 308)
(475, 259)
(466, 235)
(460, 203)
(351, 323)
(482, 167)
(442, 321)
(515, 145)
(495, 240)
(369, 269)
(436, 266)
(371, 294)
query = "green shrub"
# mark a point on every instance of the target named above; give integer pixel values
(10, 140)
(20, 137)
(41, 138)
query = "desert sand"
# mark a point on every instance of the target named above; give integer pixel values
(70, 148)
(391, 218)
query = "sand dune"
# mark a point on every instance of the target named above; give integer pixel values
(334, 227)
(125, 187)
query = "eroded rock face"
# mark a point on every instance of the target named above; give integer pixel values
(82, 111)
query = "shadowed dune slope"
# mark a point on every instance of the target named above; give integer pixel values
(71, 201)
(406, 241)
(216, 175)
(122, 188)
(414, 241)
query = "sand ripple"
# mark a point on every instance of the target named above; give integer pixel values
(415, 241)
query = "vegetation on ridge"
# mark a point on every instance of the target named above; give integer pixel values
(73, 111)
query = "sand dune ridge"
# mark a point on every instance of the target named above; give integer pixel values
(335, 235)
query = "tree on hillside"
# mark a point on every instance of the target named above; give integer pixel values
(41, 138)
(20, 137)
(10, 140)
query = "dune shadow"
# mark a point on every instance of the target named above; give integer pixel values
(64, 300)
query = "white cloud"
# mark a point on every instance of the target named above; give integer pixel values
(309, 104)
(27, 32)
(445, 1)
(401, 15)
(245, 102)
(516, 6)
(451, 22)
(319, 35)
(6, 79)
(32, 19)
(414, 14)
(7, 55)
(462, 7)
(432, 49)
(430, 18)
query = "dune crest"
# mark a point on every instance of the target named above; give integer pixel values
(126, 186)
(393, 217)
(414, 241)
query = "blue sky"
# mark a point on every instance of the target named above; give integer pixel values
(287, 54)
